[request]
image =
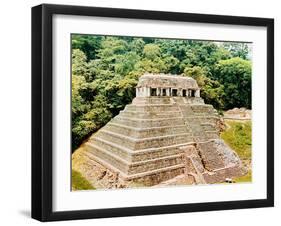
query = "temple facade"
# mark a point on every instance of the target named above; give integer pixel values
(167, 85)
(166, 136)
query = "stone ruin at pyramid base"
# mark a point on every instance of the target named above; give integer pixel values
(166, 136)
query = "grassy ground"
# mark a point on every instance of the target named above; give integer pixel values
(238, 136)
(245, 178)
(79, 182)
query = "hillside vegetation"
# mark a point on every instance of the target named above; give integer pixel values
(106, 69)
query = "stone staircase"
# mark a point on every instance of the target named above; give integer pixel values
(145, 143)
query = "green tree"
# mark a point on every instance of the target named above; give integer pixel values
(126, 63)
(89, 44)
(89, 110)
(237, 49)
(79, 63)
(137, 45)
(211, 91)
(235, 75)
(106, 69)
(151, 51)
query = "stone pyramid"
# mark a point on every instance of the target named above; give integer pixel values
(166, 132)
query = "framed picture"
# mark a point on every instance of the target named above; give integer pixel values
(146, 112)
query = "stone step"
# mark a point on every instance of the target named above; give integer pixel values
(194, 100)
(146, 132)
(151, 107)
(199, 120)
(154, 164)
(198, 110)
(151, 100)
(199, 169)
(210, 156)
(205, 108)
(112, 159)
(148, 178)
(150, 115)
(179, 100)
(121, 140)
(162, 141)
(147, 123)
(152, 142)
(208, 126)
(130, 168)
(196, 129)
(106, 164)
(157, 176)
(205, 135)
(119, 150)
(220, 175)
(152, 153)
(136, 156)
(186, 110)
(212, 134)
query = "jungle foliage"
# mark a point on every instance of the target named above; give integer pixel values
(105, 71)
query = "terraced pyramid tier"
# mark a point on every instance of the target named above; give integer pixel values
(155, 139)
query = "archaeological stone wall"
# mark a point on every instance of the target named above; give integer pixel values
(157, 138)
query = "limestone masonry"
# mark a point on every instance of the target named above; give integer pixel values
(167, 135)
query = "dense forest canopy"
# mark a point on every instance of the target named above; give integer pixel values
(105, 71)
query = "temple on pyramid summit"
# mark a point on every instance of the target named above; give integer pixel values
(166, 136)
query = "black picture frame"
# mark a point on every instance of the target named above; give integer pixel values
(42, 111)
